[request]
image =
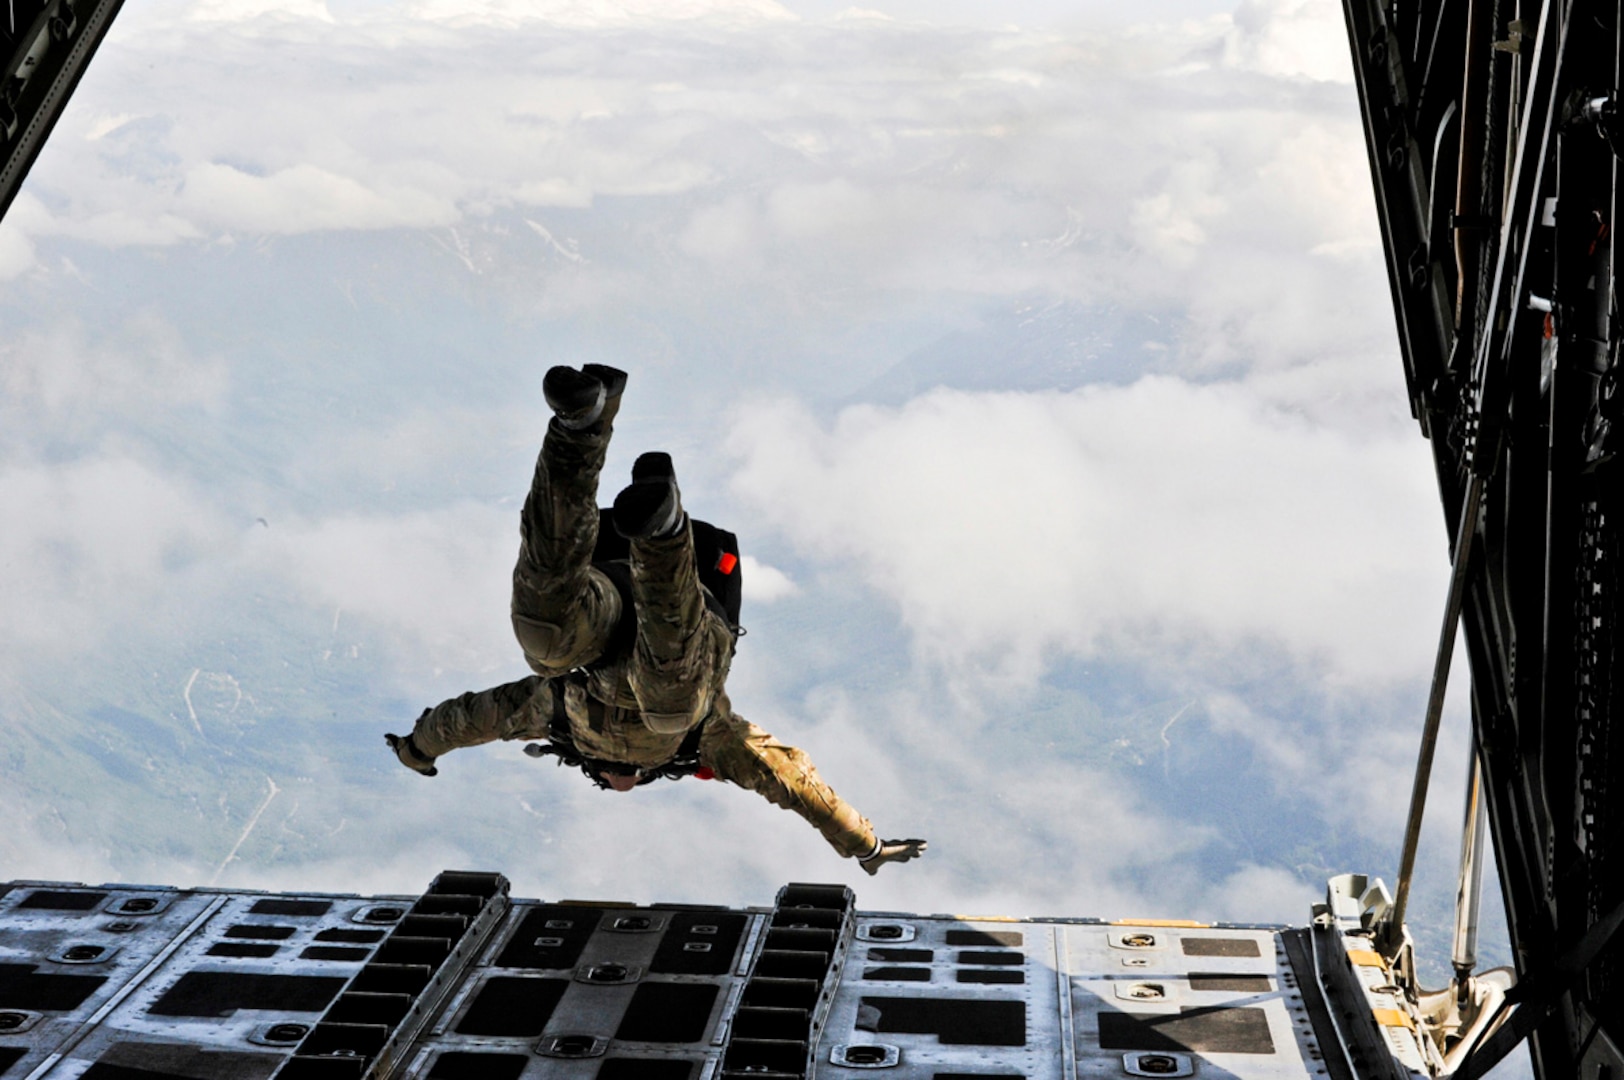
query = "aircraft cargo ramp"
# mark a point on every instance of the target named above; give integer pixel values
(464, 983)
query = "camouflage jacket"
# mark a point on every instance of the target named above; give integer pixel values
(730, 746)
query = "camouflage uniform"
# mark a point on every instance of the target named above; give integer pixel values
(637, 709)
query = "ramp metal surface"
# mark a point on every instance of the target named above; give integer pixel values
(464, 982)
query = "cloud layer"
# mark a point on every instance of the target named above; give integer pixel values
(1047, 376)
(1160, 516)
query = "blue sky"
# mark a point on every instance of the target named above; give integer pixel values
(1041, 358)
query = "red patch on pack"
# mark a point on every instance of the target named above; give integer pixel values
(703, 773)
(727, 562)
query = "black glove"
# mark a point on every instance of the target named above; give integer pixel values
(410, 756)
(891, 851)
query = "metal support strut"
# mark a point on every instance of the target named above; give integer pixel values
(1394, 937)
(1469, 887)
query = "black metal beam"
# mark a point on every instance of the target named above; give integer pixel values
(1510, 339)
(46, 46)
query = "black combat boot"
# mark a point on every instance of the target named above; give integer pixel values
(651, 508)
(586, 398)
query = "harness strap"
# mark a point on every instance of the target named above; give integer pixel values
(560, 720)
(561, 742)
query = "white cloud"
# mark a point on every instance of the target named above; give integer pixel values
(16, 252)
(141, 223)
(1290, 38)
(58, 382)
(435, 583)
(1261, 894)
(118, 228)
(239, 10)
(107, 124)
(764, 584)
(88, 543)
(305, 198)
(1322, 165)
(1005, 526)
(726, 232)
(1171, 223)
(838, 169)
(553, 191)
(601, 14)
(35, 844)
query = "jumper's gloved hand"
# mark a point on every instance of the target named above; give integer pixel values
(891, 851)
(410, 756)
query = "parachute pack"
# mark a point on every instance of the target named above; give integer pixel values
(716, 551)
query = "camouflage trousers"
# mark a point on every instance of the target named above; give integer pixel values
(565, 610)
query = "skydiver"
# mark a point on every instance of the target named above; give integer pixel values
(629, 646)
